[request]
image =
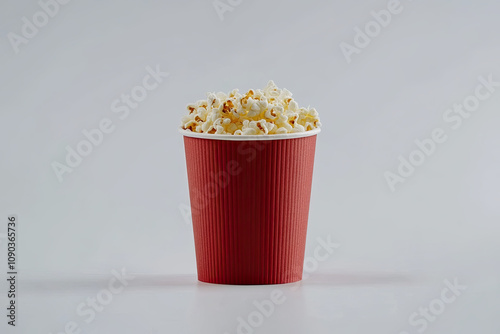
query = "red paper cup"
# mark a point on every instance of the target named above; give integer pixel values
(249, 205)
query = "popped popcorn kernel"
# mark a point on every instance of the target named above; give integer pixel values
(257, 112)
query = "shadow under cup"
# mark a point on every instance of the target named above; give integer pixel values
(249, 205)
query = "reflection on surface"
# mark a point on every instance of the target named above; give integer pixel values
(247, 309)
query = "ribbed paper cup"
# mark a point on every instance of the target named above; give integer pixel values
(249, 205)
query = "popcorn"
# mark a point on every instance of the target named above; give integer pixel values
(257, 112)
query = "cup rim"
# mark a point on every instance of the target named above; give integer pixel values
(213, 136)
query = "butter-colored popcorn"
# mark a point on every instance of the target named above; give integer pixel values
(256, 112)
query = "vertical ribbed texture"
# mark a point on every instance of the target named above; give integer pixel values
(250, 204)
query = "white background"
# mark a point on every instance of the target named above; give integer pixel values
(123, 206)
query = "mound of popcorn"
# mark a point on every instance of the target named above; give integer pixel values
(257, 112)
